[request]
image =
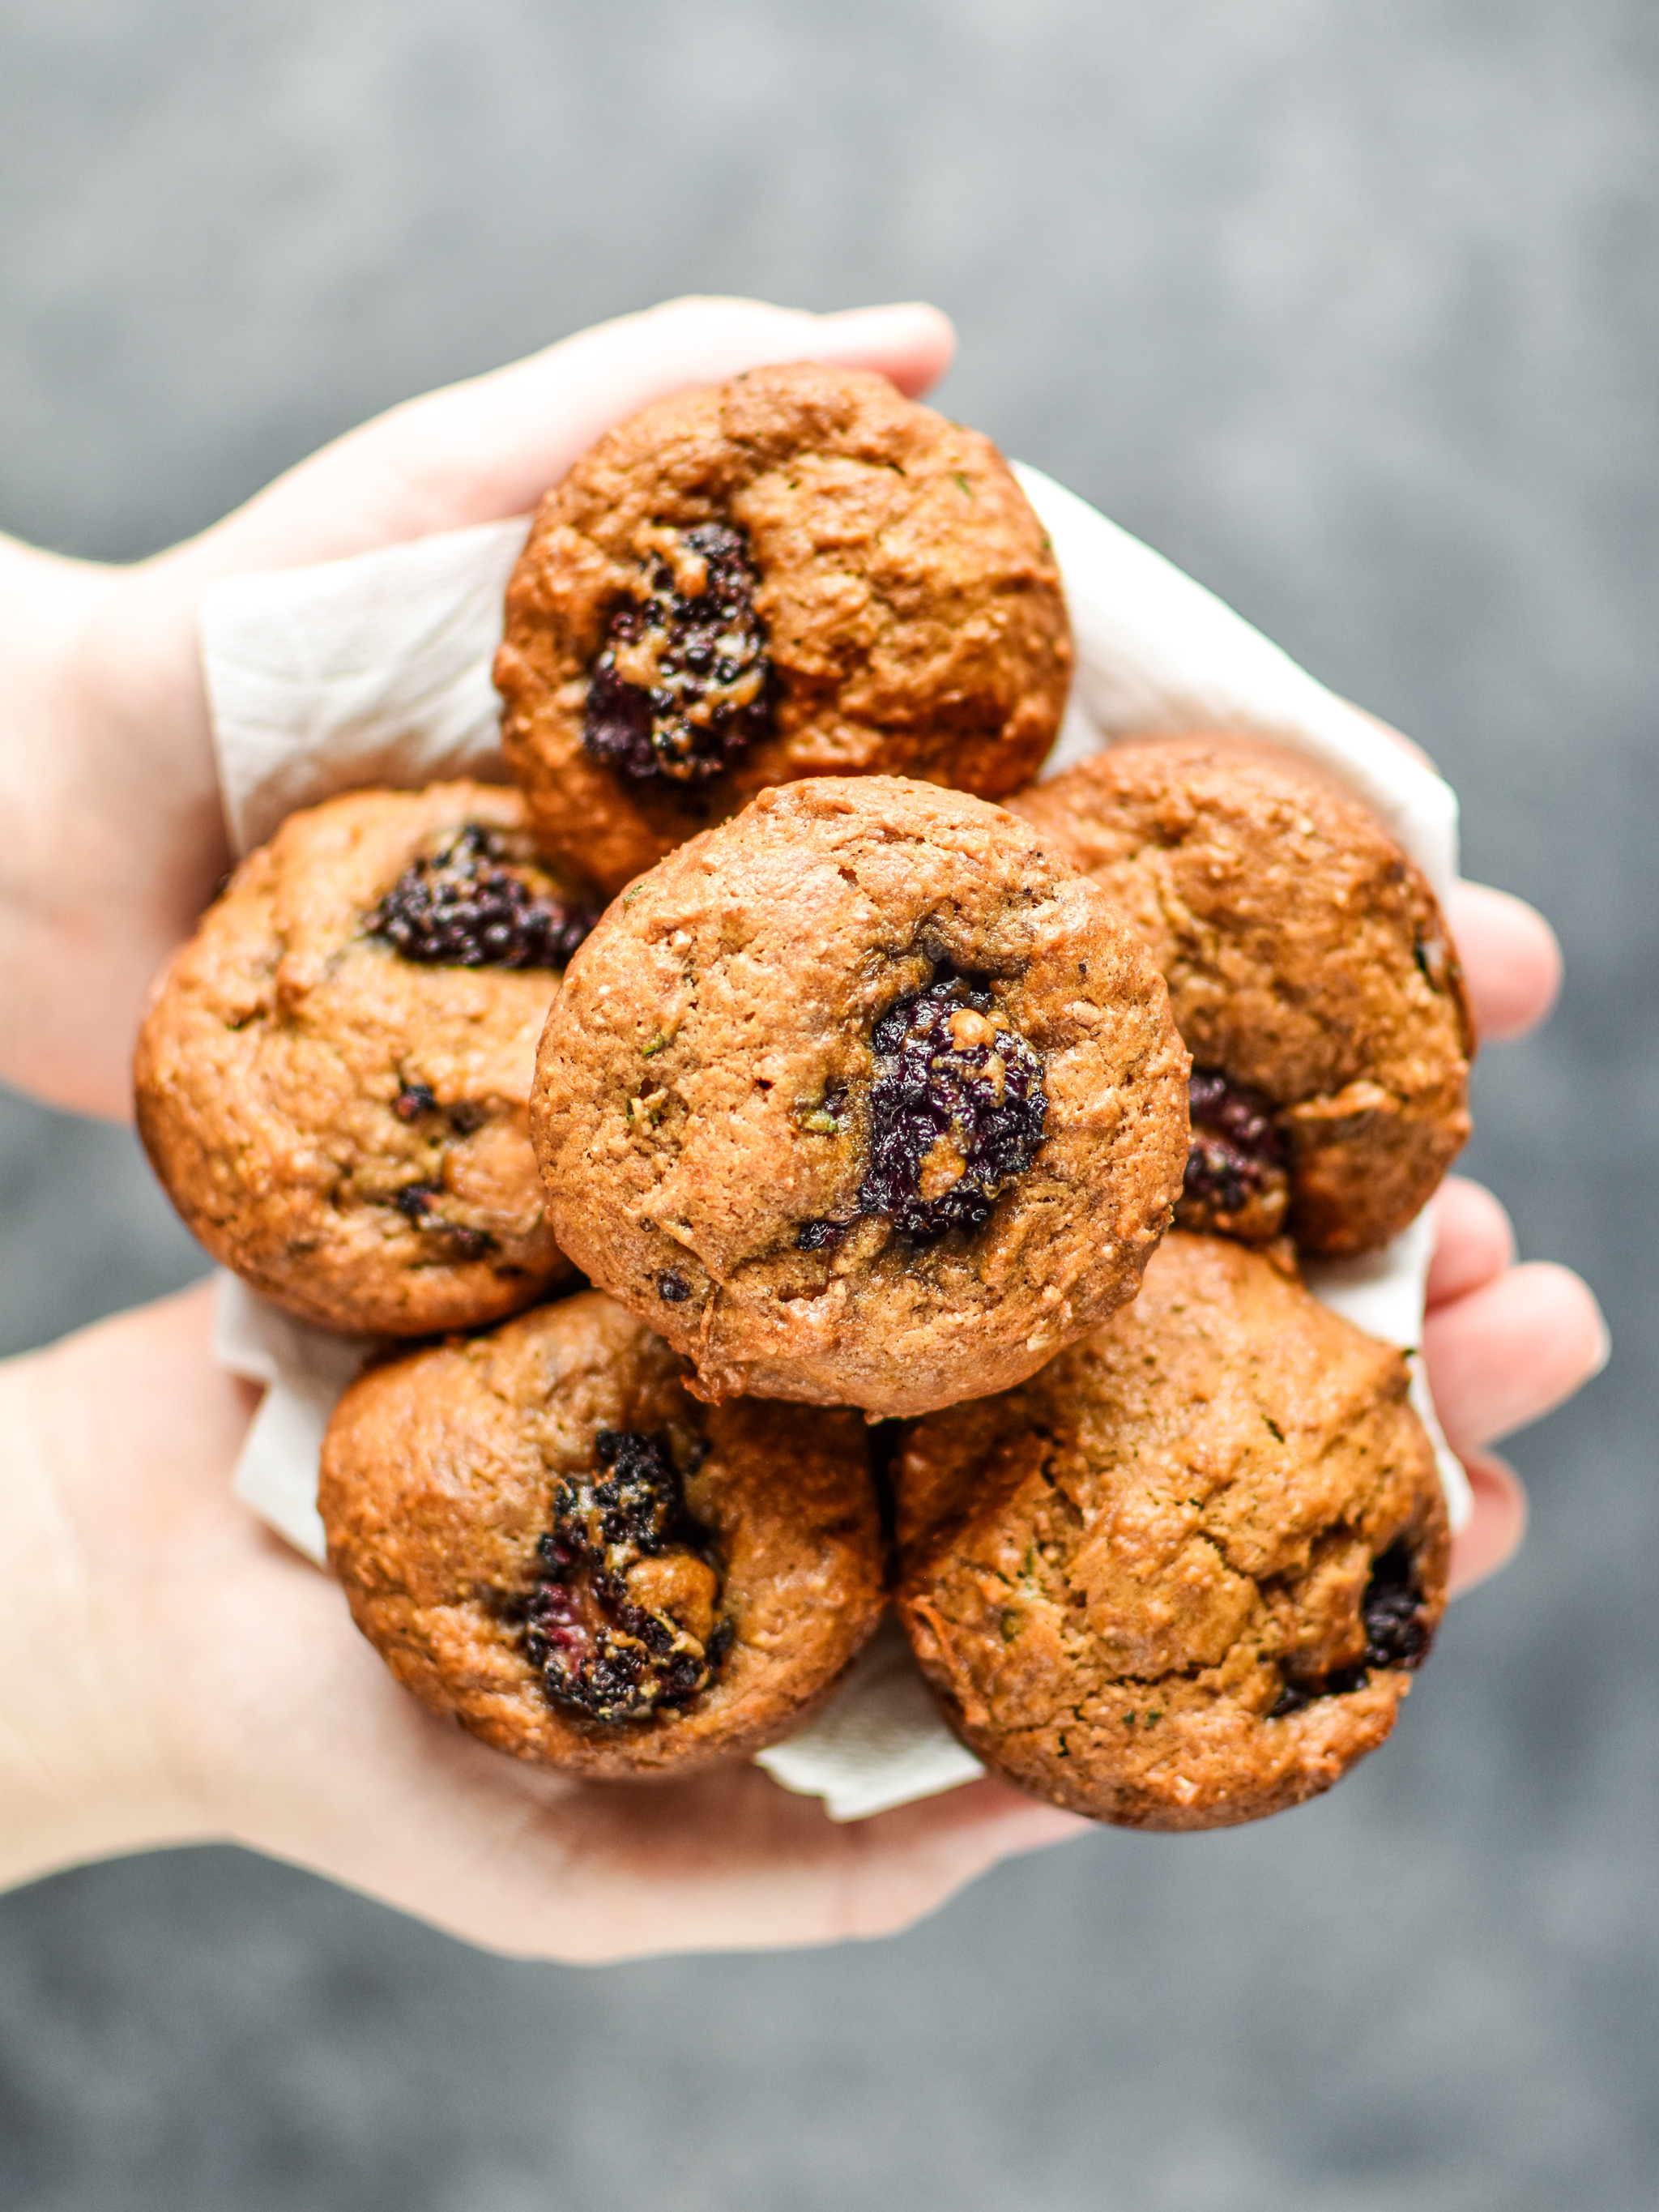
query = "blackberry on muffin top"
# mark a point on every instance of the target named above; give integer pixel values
(866, 1097)
(332, 1077)
(1182, 1577)
(543, 1534)
(1310, 973)
(799, 573)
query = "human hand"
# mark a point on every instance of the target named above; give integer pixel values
(1503, 1343)
(175, 1674)
(115, 834)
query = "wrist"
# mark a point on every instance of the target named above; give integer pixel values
(108, 776)
(84, 1772)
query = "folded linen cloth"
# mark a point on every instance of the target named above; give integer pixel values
(376, 670)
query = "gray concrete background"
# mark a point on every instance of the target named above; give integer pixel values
(1351, 310)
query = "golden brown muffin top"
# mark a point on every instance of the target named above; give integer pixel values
(798, 573)
(865, 1097)
(543, 1533)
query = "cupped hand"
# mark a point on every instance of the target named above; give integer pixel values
(116, 838)
(175, 1674)
(181, 1676)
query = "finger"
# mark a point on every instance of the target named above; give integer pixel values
(1474, 1241)
(911, 343)
(914, 1858)
(1507, 1353)
(488, 448)
(1495, 1529)
(773, 1870)
(1511, 960)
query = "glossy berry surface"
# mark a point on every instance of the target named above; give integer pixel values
(598, 1650)
(469, 906)
(1236, 1181)
(683, 684)
(957, 1111)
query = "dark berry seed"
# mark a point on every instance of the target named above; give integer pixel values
(674, 1286)
(710, 696)
(414, 1100)
(416, 1201)
(1236, 1184)
(596, 1651)
(1396, 1634)
(1342, 1680)
(471, 906)
(820, 1236)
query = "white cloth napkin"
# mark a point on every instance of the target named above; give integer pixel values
(376, 670)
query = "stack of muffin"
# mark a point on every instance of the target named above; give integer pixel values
(864, 1104)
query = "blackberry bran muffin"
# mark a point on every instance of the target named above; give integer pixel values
(799, 573)
(1180, 1578)
(1310, 973)
(866, 1097)
(331, 1079)
(541, 1532)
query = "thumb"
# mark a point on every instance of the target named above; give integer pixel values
(489, 447)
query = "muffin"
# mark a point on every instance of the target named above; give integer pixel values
(864, 1098)
(799, 573)
(1310, 973)
(332, 1076)
(543, 1534)
(1181, 1578)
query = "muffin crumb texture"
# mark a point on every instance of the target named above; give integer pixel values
(1181, 1577)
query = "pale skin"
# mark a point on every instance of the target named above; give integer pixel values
(172, 1674)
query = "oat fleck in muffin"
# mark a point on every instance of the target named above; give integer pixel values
(1310, 973)
(799, 573)
(1181, 1577)
(865, 1097)
(332, 1079)
(542, 1533)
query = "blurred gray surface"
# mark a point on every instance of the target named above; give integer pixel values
(1352, 312)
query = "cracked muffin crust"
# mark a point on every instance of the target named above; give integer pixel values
(1180, 1578)
(542, 1533)
(866, 1097)
(1310, 973)
(798, 573)
(331, 1079)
